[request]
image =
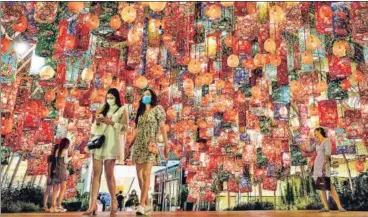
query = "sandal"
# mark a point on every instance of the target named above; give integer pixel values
(342, 210)
(324, 210)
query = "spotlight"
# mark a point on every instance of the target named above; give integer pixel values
(21, 48)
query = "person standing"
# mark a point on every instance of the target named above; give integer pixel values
(111, 121)
(321, 169)
(150, 119)
(48, 189)
(103, 201)
(120, 199)
(59, 161)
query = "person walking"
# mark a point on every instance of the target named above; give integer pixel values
(321, 169)
(150, 119)
(120, 199)
(103, 202)
(58, 177)
(111, 121)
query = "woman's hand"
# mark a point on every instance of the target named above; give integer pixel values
(107, 121)
(166, 150)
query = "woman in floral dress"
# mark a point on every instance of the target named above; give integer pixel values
(150, 120)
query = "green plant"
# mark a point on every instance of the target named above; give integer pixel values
(29, 207)
(254, 206)
(12, 196)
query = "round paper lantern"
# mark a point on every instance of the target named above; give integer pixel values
(345, 84)
(115, 22)
(249, 64)
(233, 61)
(6, 126)
(339, 49)
(5, 45)
(270, 45)
(321, 87)
(220, 84)
(141, 82)
(134, 36)
(199, 81)
(275, 59)
(60, 103)
(157, 71)
(21, 24)
(256, 91)
(75, 92)
(62, 92)
(69, 42)
(75, 7)
(277, 14)
(188, 84)
(312, 42)
(50, 95)
(307, 57)
(171, 114)
(259, 60)
(129, 14)
(87, 74)
(357, 76)
(213, 11)
(207, 78)
(229, 40)
(157, 6)
(194, 66)
(359, 166)
(295, 86)
(47, 72)
(325, 11)
(227, 4)
(93, 22)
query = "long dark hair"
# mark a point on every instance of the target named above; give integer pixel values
(106, 107)
(142, 106)
(322, 131)
(64, 144)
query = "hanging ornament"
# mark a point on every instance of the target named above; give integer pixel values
(207, 78)
(141, 82)
(50, 95)
(345, 84)
(87, 74)
(213, 11)
(339, 49)
(249, 64)
(47, 72)
(69, 42)
(199, 81)
(275, 59)
(5, 45)
(270, 45)
(128, 14)
(229, 40)
(194, 66)
(92, 22)
(21, 24)
(357, 76)
(134, 36)
(277, 14)
(157, 6)
(259, 60)
(227, 4)
(313, 42)
(321, 86)
(307, 57)
(115, 22)
(220, 84)
(233, 61)
(75, 7)
(62, 92)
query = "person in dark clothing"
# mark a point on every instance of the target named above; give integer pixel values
(103, 201)
(120, 199)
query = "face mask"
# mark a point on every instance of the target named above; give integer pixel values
(146, 99)
(111, 102)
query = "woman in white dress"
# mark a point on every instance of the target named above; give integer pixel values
(321, 168)
(111, 121)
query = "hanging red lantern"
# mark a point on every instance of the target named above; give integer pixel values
(92, 22)
(321, 87)
(21, 24)
(69, 42)
(345, 84)
(75, 7)
(62, 92)
(60, 103)
(115, 22)
(275, 59)
(357, 76)
(171, 114)
(359, 166)
(141, 82)
(5, 45)
(50, 95)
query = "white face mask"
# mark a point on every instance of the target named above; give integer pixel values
(111, 102)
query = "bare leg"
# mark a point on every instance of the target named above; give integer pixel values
(61, 194)
(323, 196)
(111, 183)
(147, 167)
(55, 191)
(46, 195)
(96, 180)
(335, 196)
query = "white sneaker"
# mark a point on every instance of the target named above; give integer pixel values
(148, 209)
(140, 210)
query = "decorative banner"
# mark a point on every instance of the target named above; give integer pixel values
(343, 145)
(269, 184)
(328, 115)
(354, 126)
(36, 165)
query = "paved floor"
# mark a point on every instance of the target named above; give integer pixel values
(209, 214)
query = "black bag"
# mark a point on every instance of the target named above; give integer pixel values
(97, 141)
